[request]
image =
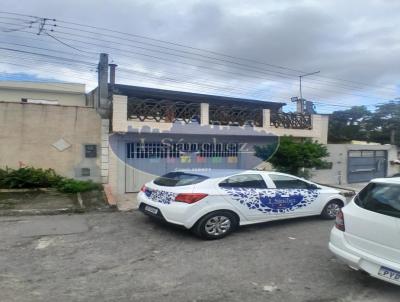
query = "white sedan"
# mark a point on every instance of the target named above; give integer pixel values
(215, 202)
(367, 231)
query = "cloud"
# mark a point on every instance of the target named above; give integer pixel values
(356, 41)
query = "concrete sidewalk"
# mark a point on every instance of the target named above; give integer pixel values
(49, 202)
(127, 202)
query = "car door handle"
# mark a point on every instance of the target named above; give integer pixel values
(285, 195)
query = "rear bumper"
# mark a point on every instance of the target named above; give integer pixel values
(174, 212)
(159, 215)
(358, 259)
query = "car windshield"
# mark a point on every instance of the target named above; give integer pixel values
(380, 198)
(175, 179)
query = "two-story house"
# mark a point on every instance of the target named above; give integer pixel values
(154, 131)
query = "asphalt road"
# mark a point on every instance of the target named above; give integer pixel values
(127, 257)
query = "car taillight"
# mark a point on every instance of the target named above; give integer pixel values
(190, 197)
(143, 189)
(339, 223)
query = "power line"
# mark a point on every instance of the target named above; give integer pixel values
(223, 87)
(209, 68)
(46, 55)
(248, 67)
(247, 93)
(42, 48)
(263, 78)
(70, 46)
(185, 46)
(204, 50)
(252, 70)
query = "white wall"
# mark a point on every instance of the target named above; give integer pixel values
(69, 94)
(28, 133)
(338, 157)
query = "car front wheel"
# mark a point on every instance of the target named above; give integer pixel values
(331, 209)
(216, 225)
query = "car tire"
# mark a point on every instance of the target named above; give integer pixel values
(331, 209)
(216, 225)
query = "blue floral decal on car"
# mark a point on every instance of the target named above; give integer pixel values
(273, 200)
(160, 196)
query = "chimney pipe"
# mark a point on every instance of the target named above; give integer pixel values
(112, 73)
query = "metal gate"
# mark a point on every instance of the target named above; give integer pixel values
(144, 161)
(364, 165)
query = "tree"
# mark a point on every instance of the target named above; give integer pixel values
(357, 123)
(384, 125)
(293, 155)
(347, 125)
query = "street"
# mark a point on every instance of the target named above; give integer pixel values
(128, 257)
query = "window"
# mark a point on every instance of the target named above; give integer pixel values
(367, 153)
(174, 150)
(244, 181)
(287, 182)
(354, 153)
(44, 102)
(380, 153)
(85, 172)
(380, 198)
(176, 179)
(90, 151)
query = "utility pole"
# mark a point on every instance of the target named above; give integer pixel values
(304, 75)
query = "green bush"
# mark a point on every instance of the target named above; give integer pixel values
(295, 156)
(29, 177)
(74, 186)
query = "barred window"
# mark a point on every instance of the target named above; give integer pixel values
(175, 150)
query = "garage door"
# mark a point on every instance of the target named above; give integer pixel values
(364, 165)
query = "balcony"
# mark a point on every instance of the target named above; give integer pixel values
(225, 115)
(291, 120)
(162, 111)
(140, 115)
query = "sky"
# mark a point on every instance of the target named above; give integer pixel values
(248, 49)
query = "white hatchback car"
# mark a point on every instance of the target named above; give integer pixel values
(215, 202)
(367, 231)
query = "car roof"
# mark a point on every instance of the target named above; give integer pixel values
(389, 180)
(216, 173)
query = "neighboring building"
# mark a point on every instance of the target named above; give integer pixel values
(69, 94)
(358, 162)
(47, 125)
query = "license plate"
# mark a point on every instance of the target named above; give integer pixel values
(389, 273)
(151, 209)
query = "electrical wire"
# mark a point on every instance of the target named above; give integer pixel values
(353, 94)
(328, 83)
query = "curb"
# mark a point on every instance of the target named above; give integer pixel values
(24, 190)
(41, 212)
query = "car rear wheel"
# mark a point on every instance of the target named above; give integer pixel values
(331, 209)
(216, 225)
